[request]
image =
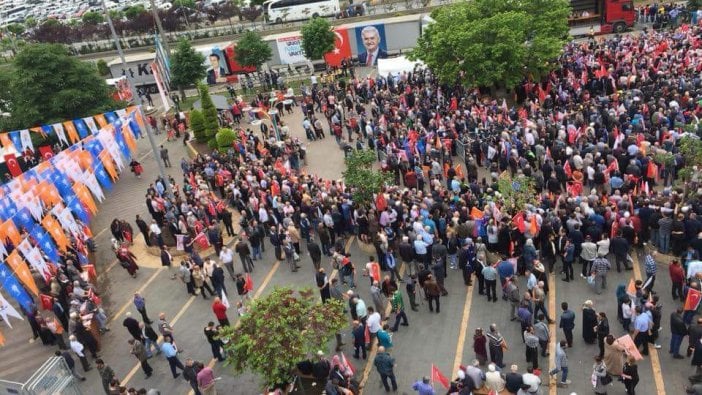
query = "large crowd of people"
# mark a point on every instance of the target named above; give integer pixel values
(596, 141)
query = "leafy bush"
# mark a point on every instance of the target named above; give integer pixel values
(197, 124)
(225, 137)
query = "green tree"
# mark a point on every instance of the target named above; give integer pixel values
(209, 112)
(280, 330)
(93, 18)
(517, 191)
(494, 42)
(134, 11)
(694, 4)
(16, 28)
(691, 150)
(184, 3)
(225, 138)
(30, 22)
(252, 51)
(197, 124)
(187, 66)
(362, 178)
(102, 67)
(317, 38)
(116, 15)
(48, 85)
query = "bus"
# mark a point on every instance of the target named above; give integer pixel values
(279, 11)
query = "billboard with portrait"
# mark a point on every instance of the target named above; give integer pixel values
(217, 68)
(371, 44)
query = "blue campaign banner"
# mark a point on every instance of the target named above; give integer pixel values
(111, 117)
(135, 127)
(102, 176)
(16, 140)
(45, 242)
(14, 288)
(371, 44)
(119, 138)
(77, 207)
(82, 129)
(23, 219)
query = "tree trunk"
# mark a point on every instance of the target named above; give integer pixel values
(182, 93)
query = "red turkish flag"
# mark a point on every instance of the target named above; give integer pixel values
(46, 152)
(693, 299)
(342, 48)
(248, 283)
(47, 302)
(12, 165)
(436, 375)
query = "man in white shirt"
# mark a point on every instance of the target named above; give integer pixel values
(532, 380)
(156, 231)
(227, 258)
(77, 349)
(373, 322)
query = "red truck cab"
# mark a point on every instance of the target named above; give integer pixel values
(601, 16)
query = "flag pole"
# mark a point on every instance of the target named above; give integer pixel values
(135, 96)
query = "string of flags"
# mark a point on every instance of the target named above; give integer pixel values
(54, 201)
(67, 132)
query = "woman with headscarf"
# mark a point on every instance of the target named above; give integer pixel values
(589, 322)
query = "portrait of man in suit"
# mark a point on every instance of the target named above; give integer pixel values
(372, 49)
(215, 74)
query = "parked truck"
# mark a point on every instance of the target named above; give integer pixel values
(593, 17)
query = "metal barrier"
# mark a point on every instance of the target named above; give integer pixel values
(53, 377)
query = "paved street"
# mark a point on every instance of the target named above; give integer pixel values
(443, 339)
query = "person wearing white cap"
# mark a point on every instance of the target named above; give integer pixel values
(494, 380)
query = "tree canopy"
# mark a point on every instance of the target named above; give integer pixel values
(490, 42)
(93, 18)
(252, 51)
(46, 84)
(280, 330)
(317, 38)
(209, 113)
(362, 178)
(187, 67)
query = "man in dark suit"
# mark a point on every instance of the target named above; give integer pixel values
(371, 41)
(216, 73)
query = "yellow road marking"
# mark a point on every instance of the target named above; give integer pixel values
(173, 322)
(552, 385)
(652, 351)
(464, 329)
(140, 290)
(374, 349)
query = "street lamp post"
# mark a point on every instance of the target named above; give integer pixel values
(157, 18)
(273, 113)
(135, 96)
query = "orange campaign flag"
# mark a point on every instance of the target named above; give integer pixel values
(5, 140)
(85, 160)
(10, 231)
(47, 193)
(101, 120)
(85, 197)
(70, 128)
(109, 166)
(459, 172)
(533, 227)
(476, 213)
(56, 232)
(22, 271)
(129, 137)
(631, 287)
(2, 339)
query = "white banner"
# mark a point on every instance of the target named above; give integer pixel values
(26, 140)
(6, 310)
(290, 50)
(37, 261)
